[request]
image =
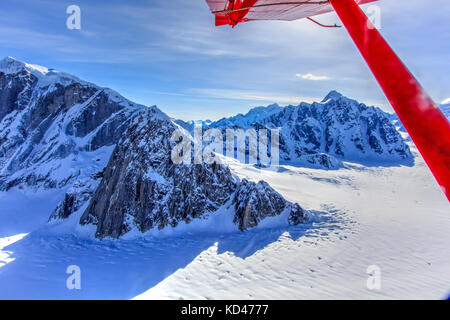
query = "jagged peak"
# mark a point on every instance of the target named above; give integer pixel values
(332, 95)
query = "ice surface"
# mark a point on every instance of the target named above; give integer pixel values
(392, 217)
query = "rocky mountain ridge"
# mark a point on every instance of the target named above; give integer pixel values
(326, 134)
(112, 158)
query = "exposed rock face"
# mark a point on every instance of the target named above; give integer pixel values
(325, 134)
(75, 198)
(50, 123)
(255, 201)
(113, 158)
(142, 187)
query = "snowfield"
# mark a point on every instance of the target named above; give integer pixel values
(395, 218)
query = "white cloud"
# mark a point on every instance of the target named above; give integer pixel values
(231, 94)
(446, 101)
(310, 76)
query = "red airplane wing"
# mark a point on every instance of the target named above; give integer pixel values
(236, 11)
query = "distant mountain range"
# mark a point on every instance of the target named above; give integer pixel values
(325, 134)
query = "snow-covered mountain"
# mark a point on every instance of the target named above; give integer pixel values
(112, 157)
(54, 127)
(326, 134)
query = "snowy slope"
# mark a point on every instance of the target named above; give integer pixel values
(392, 217)
(44, 76)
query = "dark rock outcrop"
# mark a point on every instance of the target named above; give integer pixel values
(255, 201)
(143, 188)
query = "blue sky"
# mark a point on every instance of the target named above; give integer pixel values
(170, 54)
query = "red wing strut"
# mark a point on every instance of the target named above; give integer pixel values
(425, 123)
